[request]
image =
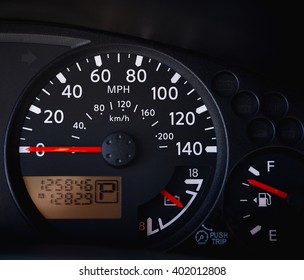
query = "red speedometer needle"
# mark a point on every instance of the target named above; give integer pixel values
(267, 188)
(172, 199)
(64, 149)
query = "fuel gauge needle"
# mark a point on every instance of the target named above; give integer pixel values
(172, 199)
(60, 149)
(267, 188)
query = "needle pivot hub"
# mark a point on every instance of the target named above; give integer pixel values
(118, 149)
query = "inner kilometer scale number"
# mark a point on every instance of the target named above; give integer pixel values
(135, 124)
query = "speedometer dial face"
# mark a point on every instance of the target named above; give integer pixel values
(117, 140)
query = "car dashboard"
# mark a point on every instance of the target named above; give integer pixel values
(171, 130)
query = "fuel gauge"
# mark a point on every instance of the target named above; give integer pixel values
(264, 200)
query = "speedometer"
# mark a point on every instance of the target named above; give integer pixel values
(120, 144)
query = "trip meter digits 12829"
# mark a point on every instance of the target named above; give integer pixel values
(123, 143)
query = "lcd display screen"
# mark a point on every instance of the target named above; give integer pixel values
(76, 197)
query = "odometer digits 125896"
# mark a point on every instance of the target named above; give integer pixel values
(119, 142)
